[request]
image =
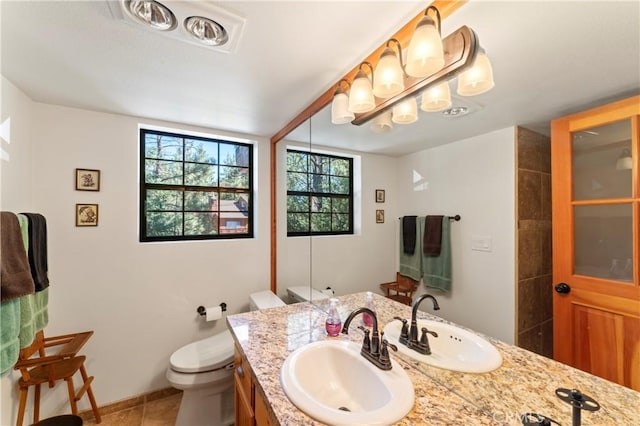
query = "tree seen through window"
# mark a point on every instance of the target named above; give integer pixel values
(194, 188)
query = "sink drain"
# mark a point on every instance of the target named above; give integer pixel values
(344, 409)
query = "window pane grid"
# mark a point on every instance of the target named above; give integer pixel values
(182, 187)
(319, 194)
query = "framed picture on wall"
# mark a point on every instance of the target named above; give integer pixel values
(86, 215)
(379, 216)
(87, 180)
(379, 195)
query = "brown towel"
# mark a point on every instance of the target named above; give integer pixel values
(38, 260)
(15, 276)
(432, 239)
(409, 234)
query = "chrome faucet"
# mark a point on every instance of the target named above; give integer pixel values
(410, 338)
(372, 349)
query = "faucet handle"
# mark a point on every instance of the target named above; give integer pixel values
(366, 342)
(404, 332)
(423, 346)
(384, 360)
(386, 343)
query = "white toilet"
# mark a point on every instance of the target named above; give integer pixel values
(305, 294)
(204, 372)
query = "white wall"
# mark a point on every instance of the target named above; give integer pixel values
(17, 156)
(140, 299)
(16, 190)
(474, 178)
(349, 263)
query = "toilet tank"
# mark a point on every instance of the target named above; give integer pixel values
(263, 300)
(305, 294)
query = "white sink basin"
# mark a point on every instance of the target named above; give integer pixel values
(330, 381)
(454, 349)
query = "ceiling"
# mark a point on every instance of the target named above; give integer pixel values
(549, 59)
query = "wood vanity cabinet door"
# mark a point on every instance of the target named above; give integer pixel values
(243, 391)
(261, 413)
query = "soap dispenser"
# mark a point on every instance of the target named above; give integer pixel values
(333, 324)
(368, 303)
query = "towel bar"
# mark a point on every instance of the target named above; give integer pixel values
(455, 218)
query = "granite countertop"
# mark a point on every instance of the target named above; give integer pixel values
(526, 382)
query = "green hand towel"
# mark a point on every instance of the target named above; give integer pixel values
(437, 269)
(34, 315)
(411, 265)
(9, 329)
(23, 221)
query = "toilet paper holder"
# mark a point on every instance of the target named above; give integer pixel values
(203, 311)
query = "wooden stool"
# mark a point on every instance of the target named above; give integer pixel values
(62, 365)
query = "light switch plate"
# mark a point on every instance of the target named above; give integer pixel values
(479, 243)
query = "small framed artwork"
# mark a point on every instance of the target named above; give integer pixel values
(86, 215)
(379, 195)
(87, 180)
(379, 216)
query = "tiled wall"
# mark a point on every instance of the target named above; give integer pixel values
(534, 297)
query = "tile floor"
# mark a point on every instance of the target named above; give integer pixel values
(155, 412)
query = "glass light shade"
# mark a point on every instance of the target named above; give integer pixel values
(425, 54)
(406, 112)
(206, 31)
(361, 94)
(477, 79)
(624, 161)
(382, 123)
(340, 113)
(388, 78)
(152, 13)
(437, 98)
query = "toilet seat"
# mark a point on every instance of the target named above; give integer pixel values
(209, 354)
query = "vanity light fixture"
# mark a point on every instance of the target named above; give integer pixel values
(388, 78)
(406, 112)
(624, 161)
(477, 79)
(425, 54)
(382, 123)
(152, 13)
(431, 62)
(340, 113)
(436, 98)
(361, 94)
(206, 31)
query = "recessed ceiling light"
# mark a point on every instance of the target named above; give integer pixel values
(455, 111)
(206, 31)
(152, 13)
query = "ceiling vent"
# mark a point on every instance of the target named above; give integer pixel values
(199, 23)
(460, 107)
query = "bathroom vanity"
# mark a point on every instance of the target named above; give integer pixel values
(524, 383)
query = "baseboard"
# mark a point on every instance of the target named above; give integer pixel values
(130, 402)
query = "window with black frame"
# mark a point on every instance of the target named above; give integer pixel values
(194, 188)
(319, 194)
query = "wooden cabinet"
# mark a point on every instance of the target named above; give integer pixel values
(261, 413)
(251, 409)
(243, 391)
